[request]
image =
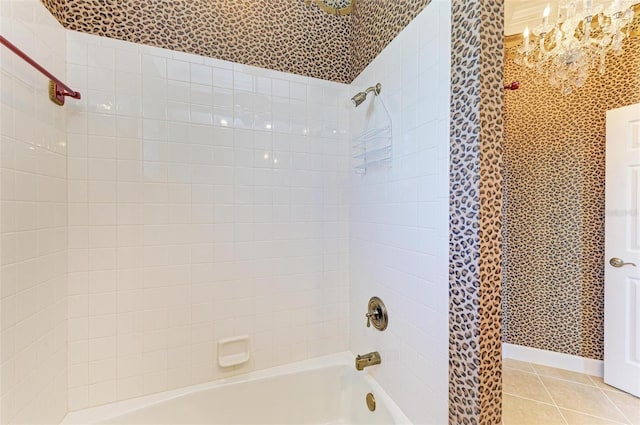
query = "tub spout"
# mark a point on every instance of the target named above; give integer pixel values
(366, 360)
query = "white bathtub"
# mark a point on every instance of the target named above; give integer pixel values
(325, 390)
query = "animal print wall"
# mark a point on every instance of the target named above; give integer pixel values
(375, 23)
(554, 209)
(290, 36)
(475, 250)
(286, 36)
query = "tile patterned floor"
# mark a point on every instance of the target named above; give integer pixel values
(541, 395)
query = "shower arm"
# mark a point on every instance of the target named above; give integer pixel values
(376, 89)
(362, 96)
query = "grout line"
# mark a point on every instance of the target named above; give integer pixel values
(615, 390)
(592, 385)
(597, 417)
(562, 416)
(520, 370)
(547, 390)
(608, 387)
(586, 385)
(531, 399)
(594, 382)
(552, 399)
(616, 406)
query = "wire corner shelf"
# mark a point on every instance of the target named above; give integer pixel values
(373, 148)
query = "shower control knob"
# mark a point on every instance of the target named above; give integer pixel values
(369, 316)
(377, 314)
(619, 262)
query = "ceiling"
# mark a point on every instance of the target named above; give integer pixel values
(520, 13)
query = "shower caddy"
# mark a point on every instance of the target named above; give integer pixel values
(373, 148)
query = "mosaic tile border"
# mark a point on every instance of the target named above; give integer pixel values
(475, 349)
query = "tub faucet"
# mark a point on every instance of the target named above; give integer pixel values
(366, 360)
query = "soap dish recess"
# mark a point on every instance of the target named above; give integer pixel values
(233, 351)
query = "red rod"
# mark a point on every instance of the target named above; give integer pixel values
(66, 90)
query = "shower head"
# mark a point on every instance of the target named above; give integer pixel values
(360, 97)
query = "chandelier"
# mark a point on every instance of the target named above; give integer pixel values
(580, 39)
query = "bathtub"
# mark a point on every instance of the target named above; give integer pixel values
(324, 390)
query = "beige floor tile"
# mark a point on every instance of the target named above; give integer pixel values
(582, 398)
(519, 411)
(523, 384)
(628, 404)
(600, 383)
(516, 364)
(563, 374)
(576, 418)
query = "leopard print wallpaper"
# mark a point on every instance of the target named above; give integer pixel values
(554, 205)
(289, 36)
(375, 23)
(475, 251)
(285, 36)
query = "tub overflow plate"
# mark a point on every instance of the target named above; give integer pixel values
(371, 402)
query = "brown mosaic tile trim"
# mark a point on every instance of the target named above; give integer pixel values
(475, 354)
(555, 172)
(491, 199)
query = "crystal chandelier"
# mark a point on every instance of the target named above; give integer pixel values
(579, 40)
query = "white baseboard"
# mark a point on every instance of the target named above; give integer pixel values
(553, 359)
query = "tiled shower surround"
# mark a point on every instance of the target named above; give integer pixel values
(33, 216)
(206, 200)
(399, 241)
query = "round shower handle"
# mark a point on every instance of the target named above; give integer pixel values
(619, 262)
(377, 314)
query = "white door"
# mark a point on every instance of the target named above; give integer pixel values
(622, 251)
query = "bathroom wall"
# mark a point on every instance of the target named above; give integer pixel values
(399, 218)
(555, 212)
(287, 36)
(290, 36)
(206, 200)
(475, 212)
(374, 24)
(33, 221)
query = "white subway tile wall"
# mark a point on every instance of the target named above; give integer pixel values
(399, 218)
(33, 221)
(206, 200)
